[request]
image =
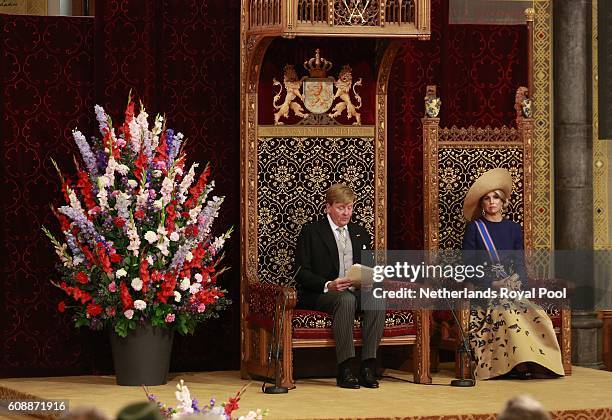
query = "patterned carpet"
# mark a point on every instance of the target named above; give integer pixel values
(584, 395)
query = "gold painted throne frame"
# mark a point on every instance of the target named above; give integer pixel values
(253, 346)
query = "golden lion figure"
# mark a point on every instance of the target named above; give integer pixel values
(343, 87)
(292, 86)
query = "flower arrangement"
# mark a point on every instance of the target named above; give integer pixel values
(186, 406)
(138, 245)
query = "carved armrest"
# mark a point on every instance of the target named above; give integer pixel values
(265, 299)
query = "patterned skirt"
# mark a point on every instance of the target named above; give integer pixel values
(506, 333)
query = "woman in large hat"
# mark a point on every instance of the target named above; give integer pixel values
(513, 338)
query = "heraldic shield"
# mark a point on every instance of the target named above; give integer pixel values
(318, 94)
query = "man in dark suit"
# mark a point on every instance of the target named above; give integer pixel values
(325, 251)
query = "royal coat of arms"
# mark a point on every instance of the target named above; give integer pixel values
(316, 92)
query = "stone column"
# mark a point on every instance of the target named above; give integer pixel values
(573, 153)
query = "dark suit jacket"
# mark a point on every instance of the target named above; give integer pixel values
(317, 258)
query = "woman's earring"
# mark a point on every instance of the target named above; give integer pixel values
(482, 212)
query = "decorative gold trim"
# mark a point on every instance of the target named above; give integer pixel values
(285, 18)
(601, 232)
(542, 193)
(431, 207)
(380, 146)
(316, 131)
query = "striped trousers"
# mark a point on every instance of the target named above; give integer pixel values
(343, 306)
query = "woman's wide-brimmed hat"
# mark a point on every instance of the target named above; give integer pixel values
(495, 179)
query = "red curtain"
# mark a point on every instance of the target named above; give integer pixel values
(477, 69)
(178, 57)
(181, 58)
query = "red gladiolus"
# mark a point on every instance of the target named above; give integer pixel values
(88, 254)
(160, 160)
(156, 276)
(82, 278)
(170, 216)
(93, 309)
(103, 258)
(144, 274)
(167, 287)
(61, 306)
(208, 296)
(129, 116)
(126, 299)
(139, 165)
(115, 258)
(64, 221)
(76, 293)
(139, 214)
(119, 221)
(231, 405)
(86, 189)
(195, 191)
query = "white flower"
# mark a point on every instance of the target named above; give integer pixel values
(129, 313)
(121, 273)
(157, 173)
(189, 256)
(195, 288)
(122, 169)
(150, 259)
(137, 284)
(177, 296)
(161, 230)
(183, 396)
(158, 204)
(198, 277)
(140, 304)
(185, 283)
(174, 236)
(163, 245)
(132, 183)
(151, 237)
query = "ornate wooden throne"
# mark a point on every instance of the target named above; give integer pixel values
(453, 159)
(286, 169)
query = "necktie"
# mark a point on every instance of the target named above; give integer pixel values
(342, 237)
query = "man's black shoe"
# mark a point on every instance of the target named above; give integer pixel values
(345, 379)
(367, 378)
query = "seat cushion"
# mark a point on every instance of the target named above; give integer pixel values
(317, 325)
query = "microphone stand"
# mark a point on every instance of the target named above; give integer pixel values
(463, 349)
(277, 388)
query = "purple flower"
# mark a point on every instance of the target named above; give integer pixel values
(102, 119)
(86, 153)
(92, 236)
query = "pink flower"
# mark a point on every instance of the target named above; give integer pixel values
(112, 287)
(201, 308)
(170, 318)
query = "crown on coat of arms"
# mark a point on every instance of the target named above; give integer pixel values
(317, 66)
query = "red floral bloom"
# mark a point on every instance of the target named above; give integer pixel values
(86, 189)
(144, 274)
(195, 191)
(81, 277)
(119, 221)
(93, 309)
(126, 299)
(61, 306)
(139, 214)
(129, 116)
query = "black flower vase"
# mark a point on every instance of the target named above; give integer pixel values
(143, 356)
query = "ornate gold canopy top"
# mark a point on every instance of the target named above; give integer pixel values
(388, 18)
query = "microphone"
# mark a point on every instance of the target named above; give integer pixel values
(276, 339)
